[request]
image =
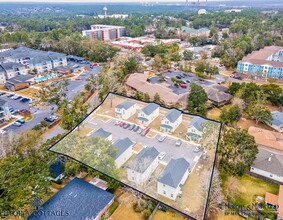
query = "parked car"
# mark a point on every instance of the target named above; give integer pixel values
(161, 138)
(132, 127)
(23, 100)
(2, 93)
(14, 112)
(14, 97)
(11, 109)
(117, 122)
(136, 128)
(24, 111)
(54, 117)
(78, 78)
(184, 86)
(48, 119)
(122, 124)
(139, 130)
(19, 97)
(145, 131)
(126, 126)
(2, 131)
(178, 143)
(161, 155)
(20, 121)
(18, 124)
(10, 95)
(197, 149)
(178, 77)
(188, 81)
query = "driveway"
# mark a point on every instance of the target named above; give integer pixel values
(168, 145)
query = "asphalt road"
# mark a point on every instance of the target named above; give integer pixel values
(168, 145)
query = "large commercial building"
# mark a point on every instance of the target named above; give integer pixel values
(42, 61)
(104, 32)
(267, 62)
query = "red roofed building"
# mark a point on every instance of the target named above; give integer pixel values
(267, 62)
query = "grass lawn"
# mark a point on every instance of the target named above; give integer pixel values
(250, 187)
(29, 92)
(84, 130)
(160, 215)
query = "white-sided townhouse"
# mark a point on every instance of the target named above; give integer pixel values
(148, 113)
(171, 121)
(277, 121)
(125, 110)
(124, 151)
(195, 129)
(143, 165)
(173, 177)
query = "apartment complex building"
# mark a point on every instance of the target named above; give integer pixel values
(267, 62)
(104, 32)
(31, 59)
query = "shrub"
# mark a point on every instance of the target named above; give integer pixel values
(146, 213)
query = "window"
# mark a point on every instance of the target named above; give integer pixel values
(172, 195)
(270, 175)
(164, 192)
(163, 185)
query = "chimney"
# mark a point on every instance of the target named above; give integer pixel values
(270, 157)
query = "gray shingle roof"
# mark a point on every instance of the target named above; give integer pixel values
(277, 118)
(122, 145)
(101, 133)
(197, 123)
(174, 172)
(173, 115)
(125, 105)
(215, 95)
(143, 160)
(79, 198)
(275, 165)
(151, 107)
(11, 65)
(20, 79)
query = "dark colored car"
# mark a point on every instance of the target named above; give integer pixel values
(24, 111)
(145, 131)
(48, 119)
(178, 77)
(11, 95)
(132, 127)
(126, 126)
(19, 97)
(24, 100)
(20, 121)
(136, 128)
(2, 93)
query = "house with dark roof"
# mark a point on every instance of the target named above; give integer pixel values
(5, 113)
(125, 109)
(125, 151)
(143, 165)
(277, 121)
(77, 200)
(173, 177)
(275, 202)
(11, 69)
(269, 164)
(171, 121)
(148, 113)
(102, 134)
(216, 96)
(195, 129)
(19, 82)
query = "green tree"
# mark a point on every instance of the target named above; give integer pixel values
(274, 93)
(188, 55)
(197, 99)
(237, 151)
(146, 97)
(156, 98)
(230, 115)
(234, 88)
(157, 64)
(259, 113)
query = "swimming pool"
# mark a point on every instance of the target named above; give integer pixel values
(45, 77)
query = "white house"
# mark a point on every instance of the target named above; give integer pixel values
(269, 164)
(125, 151)
(171, 121)
(125, 109)
(173, 177)
(148, 113)
(143, 165)
(103, 134)
(277, 121)
(195, 129)
(10, 70)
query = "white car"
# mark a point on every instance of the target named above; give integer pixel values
(161, 155)
(161, 138)
(14, 97)
(54, 117)
(2, 131)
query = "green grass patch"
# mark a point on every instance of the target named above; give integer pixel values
(111, 209)
(28, 118)
(251, 187)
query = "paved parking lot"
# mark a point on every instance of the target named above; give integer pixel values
(168, 145)
(191, 78)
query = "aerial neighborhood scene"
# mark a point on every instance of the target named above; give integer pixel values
(145, 110)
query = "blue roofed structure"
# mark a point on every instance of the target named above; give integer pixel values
(102, 133)
(77, 200)
(150, 108)
(277, 121)
(122, 145)
(125, 105)
(173, 115)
